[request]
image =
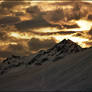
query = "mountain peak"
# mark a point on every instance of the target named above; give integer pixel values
(67, 41)
(60, 50)
(64, 47)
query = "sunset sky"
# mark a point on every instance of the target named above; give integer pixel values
(29, 26)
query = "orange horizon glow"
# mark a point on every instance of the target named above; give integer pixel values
(84, 25)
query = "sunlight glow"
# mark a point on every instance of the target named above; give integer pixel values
(78, 40)
(46, 30)
(19, 35)
(7, 43)
(84, 25)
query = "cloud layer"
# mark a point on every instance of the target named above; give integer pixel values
(41, 22)
(36, 44)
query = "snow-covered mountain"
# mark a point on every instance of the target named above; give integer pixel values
(58, 51)
(55, 53)
(64, 67)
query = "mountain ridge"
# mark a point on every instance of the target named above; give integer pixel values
(73, 72)
(58, 51)
(63, 48)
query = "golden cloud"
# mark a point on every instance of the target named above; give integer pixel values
(44, 21)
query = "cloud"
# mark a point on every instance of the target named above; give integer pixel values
(34, 11)
(5, 54)
(3, 35)
(3, 12)
(9, 20)
(74, 10)
(88, 43)
(90, 32)
(70, 26)
(77, 12)
(10, 7)
(90, 17)
(51, 19)
(56, 15)
(10, 4)
(18, 49)
(78, 34)
(36, 44)
(19, 14)
(59, 18)
(39, 22)
(53, 33)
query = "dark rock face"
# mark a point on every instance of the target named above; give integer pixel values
(9, 63)
(66, 46)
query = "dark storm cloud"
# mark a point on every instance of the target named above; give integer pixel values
(18, 49)
(56, 15)
(37, 20)
(19, 14)
(78, 34)
(5, 54)
(90, 32)
(78, 10)
(8, 7)
(70, 26)
(32, 24)
(4, 30)
(40, 19)
(36, 44)
(14, 50)
(44, 19)
(88, 43)
(53, 33)
(35, 23)
(10, 3)
(3, 35)
(3, 12)
(90, 17)
(9, 20)
(34, 11)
